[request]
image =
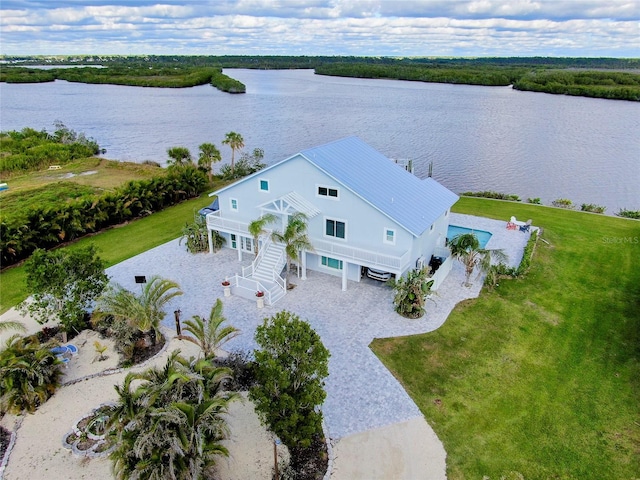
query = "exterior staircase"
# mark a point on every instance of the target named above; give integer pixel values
(266, 270)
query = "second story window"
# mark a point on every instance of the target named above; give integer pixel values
(234, 204)
(335, 228)
(264, 185)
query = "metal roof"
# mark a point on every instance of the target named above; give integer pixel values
(411, 202)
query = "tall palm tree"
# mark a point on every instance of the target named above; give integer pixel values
(257, 227)
(208, 334)
(466, 248)
(294, 237)
(144, 312)
(236, 142)
(209, 154)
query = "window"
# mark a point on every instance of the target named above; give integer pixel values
(332, 263)
(431, 228)
(334, 228)
(389, 236)
(234, 243)
(246, 243)
(328, 192)
(264, 185)
(234, 203)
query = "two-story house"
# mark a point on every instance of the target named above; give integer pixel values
(363, 211)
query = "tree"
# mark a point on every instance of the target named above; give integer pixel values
(294, 237)
(257, 227)
(236, 142)
(144, 312)
(172, 424)
(209, 154)
(466, 248)
(411, 292)
(29, 375)
(64, 284)
(209, 334)
(179, 156)
(291, 365)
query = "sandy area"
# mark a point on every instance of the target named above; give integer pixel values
(38, 452)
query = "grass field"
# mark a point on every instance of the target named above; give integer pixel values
(114, 245)
(540, 377)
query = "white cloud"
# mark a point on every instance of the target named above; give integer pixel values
(323, 27)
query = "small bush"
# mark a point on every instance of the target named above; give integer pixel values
(535, 201)
(635, 214)
(593, 208)
(490, 194)
(563, 203)
(243, 368)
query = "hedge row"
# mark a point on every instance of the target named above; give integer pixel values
(49, 225)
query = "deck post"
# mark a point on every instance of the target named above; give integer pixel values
(210, 240)
(345, 266)
(304, 264)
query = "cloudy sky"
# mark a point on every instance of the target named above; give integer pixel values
(591, 28)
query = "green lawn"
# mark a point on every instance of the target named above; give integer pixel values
(541, 376)
(114, 245)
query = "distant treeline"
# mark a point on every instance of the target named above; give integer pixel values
(134, 75)
(603, 77)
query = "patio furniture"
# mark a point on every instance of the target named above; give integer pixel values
(526, 226)
(71, 348)
(511, 226)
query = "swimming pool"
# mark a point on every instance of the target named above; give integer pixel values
(455, 230)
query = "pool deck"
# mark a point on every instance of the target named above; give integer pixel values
(361, 393)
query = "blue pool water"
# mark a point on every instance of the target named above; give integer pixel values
(483, 235)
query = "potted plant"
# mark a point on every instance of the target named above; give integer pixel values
(227, 287)
(260, 298)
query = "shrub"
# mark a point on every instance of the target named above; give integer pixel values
(635, 214)
(410, 293)
(563, 203)
(593, 208)
(535, 201)
(490, 194)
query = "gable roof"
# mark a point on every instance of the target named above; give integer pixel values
(411, 202)
(407, 200)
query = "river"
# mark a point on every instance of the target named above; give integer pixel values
(478, 138)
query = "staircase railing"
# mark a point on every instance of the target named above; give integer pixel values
(282, 282)
(250, 269)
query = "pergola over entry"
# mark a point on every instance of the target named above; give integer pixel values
(289, 204)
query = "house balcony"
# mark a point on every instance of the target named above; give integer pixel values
(361, 256)
(216, 222)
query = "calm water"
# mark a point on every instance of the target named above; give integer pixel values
(478, 138)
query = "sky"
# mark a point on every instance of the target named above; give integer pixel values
(395, 28)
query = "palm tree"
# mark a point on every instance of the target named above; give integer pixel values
(209, 154)
(294, 237)
(144, 312)
(171, 426)
(29, 375)
(257, 227)
(179, 156)
(12, 325)
(466, 248)
(236, 142)
(208, 334)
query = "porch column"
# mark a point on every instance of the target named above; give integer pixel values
(238, 246)
(210, 240)
(345, 266)
(304, 264)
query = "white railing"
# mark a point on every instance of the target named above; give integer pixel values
(216, 222)
(281, 282)
(442, 272)
(361, 255)
(442, 252)
(247, 288)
